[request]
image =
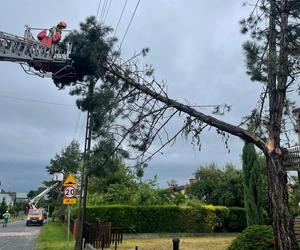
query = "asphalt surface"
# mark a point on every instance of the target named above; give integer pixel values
(16, 236)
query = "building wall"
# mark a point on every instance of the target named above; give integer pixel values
(21, 197)
(8, 199)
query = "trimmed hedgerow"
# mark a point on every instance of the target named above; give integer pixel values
(157, 219)
(236, 219)
(256, 237)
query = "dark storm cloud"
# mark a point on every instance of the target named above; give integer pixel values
(195, 46)
(22, 176)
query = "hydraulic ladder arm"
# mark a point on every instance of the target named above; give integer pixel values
(40, 59)
(34, 201)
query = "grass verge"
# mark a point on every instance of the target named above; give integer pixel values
(53, 237)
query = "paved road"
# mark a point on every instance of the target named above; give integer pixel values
(16, 236)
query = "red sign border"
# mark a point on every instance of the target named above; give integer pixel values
(74, 194)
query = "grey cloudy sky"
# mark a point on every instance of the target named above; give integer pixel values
(195, 46)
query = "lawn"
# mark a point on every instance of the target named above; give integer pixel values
(53, 237)
(186, 243)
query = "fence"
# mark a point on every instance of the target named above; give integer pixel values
(102, 235)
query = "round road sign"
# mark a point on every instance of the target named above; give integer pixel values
(70, 192)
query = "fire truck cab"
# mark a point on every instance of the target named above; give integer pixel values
(36, 216)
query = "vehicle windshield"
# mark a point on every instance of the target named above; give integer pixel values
(35, 211)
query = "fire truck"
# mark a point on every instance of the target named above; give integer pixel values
(36, 215)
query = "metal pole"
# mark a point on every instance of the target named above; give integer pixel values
(84, 177)
(78, 244)
(176, 242)
(68, 233)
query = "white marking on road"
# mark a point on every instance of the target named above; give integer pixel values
(18, 233)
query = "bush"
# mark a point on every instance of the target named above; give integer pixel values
(256, 237)
(156, 219)
(236, 220)
(222, 215)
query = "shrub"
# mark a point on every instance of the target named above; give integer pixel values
(197, 219)
(256, 237)
(156, 219)
(236, 220)
(222, 214)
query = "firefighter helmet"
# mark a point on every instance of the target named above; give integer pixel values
(62, 24)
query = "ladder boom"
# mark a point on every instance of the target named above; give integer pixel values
(33, 202)
(18, 49)
(38, 58)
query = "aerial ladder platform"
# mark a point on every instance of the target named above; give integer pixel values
(35, 57)
(34, 201)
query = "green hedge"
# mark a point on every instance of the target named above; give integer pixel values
(236, 220)
(157, 219)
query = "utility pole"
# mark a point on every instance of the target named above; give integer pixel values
(84, 175)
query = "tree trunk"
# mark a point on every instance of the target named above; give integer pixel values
(282, 221)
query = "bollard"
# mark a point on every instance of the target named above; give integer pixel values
(136, 248)
(176, 243)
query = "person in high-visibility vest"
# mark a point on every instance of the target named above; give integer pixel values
(5, 216)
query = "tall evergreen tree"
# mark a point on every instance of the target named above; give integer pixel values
(253, 185)
(3, 207)
(272, 58)
(67, 161)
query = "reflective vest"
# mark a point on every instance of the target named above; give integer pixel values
(6, 215)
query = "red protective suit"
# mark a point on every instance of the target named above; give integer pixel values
(49, 40)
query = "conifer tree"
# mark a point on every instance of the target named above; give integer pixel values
(272, 58)
(253, 185)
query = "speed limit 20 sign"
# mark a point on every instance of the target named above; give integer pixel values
(70, 192)
(70, 195)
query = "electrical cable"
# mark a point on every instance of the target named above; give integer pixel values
(98, 9)
(129, 23)
(107, 11)
(103, 11)
(34, 100)
(120, 18)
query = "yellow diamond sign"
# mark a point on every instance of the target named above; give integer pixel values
(70, 181)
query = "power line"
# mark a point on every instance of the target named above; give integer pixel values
(35, 100)
(98, 9)
(133, 14)
(120, 17)
(103, 11)
(107, 11)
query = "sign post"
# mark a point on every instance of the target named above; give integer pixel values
(70, 192)
(69, 215)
